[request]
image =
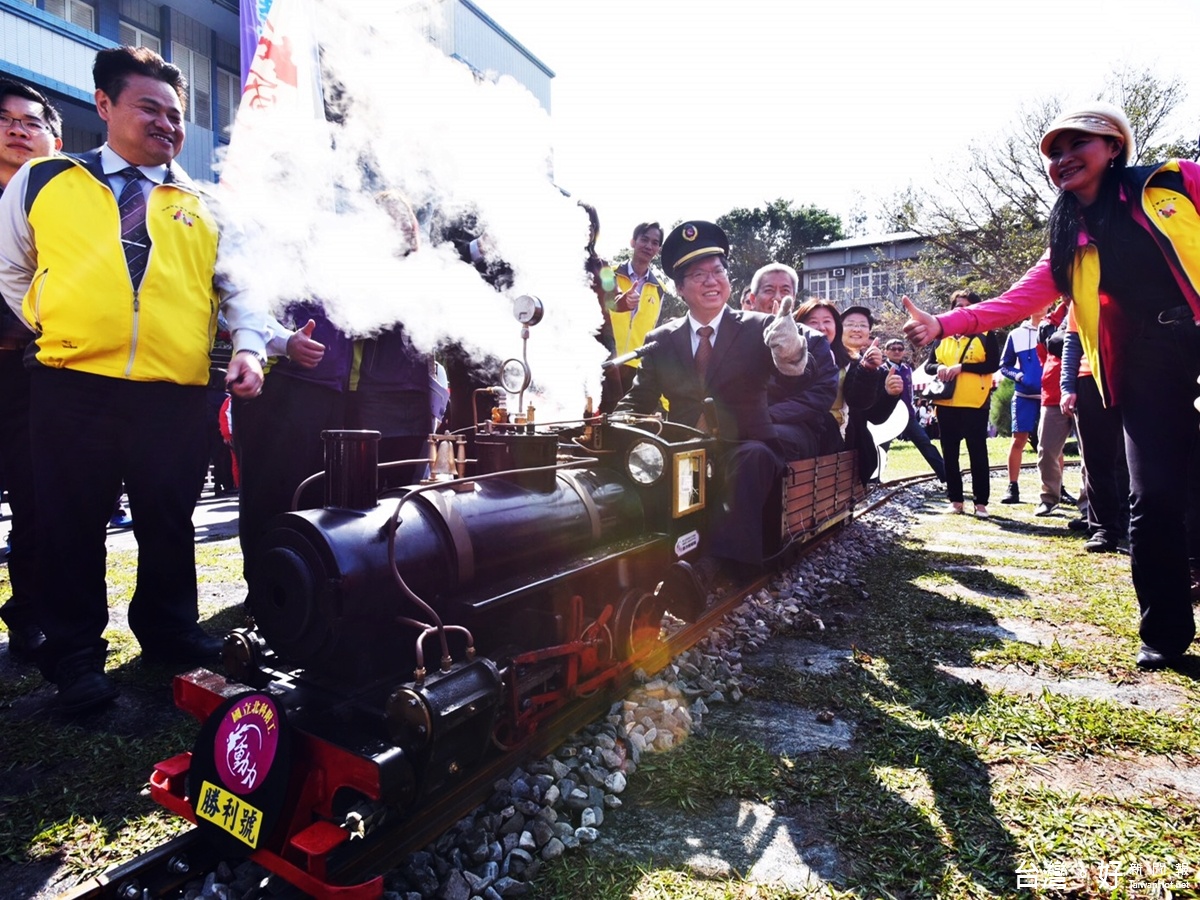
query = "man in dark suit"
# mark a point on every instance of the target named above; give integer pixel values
(728, 356)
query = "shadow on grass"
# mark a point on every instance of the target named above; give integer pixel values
(1188, 666)
(1040, 528)
(968, 570)
(907, 804)
(71, 787)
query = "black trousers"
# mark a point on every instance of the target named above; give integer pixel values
(753, 476)
(1102, 445)
(403, 420)
(277, 438)
(915, 433)
(1162, 428)
(798, 441)
(17, 464)
(88, 433)
(958, 424)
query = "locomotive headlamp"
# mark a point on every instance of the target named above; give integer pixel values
(646, 462)
(514, 376)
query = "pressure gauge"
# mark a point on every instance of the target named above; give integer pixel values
(528, 309)
(514, 376)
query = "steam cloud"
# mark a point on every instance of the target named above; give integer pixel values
(300, 192)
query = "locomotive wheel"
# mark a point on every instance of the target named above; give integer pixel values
(603, 638)
(639, 623)
(682, 591)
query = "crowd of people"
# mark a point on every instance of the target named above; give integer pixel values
(108, 269)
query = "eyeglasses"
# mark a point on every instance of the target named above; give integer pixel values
(29, 126)
(699, 276)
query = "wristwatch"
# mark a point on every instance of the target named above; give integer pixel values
(262, 360)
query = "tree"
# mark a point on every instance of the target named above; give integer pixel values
(986, 225)
(775, 232)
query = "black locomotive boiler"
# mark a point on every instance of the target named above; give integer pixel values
(399, 644)
(396, 642)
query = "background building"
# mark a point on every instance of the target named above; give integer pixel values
(864, 271)
(51, 44)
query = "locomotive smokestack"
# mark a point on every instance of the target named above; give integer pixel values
(351, 469)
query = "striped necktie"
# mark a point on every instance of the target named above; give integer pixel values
(134, 237)
(704, 350)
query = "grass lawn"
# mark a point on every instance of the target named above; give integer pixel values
(1004, 744)
(903, 461)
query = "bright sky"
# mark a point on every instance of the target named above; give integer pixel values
(668, 110)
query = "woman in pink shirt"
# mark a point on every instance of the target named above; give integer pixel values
(1125, 250)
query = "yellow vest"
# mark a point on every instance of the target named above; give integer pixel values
(81, 303)
(630, 328)
(1173, 214)
(971, 390)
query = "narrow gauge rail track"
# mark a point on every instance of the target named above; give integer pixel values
(164, 871)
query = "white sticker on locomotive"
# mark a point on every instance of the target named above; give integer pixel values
(687, 543)
(230, 813)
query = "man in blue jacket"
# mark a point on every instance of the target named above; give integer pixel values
(1021, 365)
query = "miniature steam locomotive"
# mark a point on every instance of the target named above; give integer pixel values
(396, 643)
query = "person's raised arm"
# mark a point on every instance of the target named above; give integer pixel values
(789, 350)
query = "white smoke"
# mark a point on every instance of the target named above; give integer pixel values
(299, 193)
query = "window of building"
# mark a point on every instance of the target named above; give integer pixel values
(132, 36)
(229, 95)
(74, 11)
(868, 283)
(197, 69)
(821, 284)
